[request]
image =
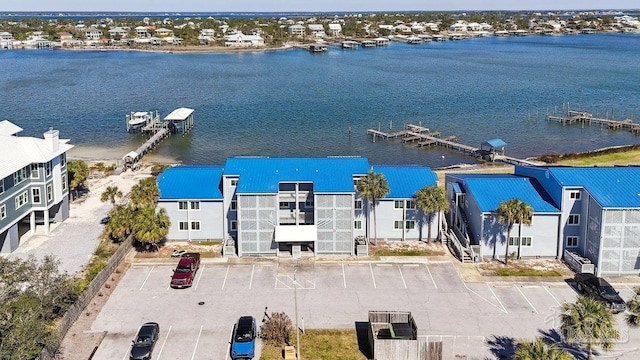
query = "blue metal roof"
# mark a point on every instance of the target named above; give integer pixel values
(496, 143)
(190, 182)
(328, 175)
(491, 189)
(615, 187)
(405, 181)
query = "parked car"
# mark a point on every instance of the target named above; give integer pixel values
(243, 344)
(185, 272)
(145, 340)
(599, 289)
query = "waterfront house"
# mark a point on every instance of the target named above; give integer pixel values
(241, 40)
(118, 33)
(163, 32)
(206, 36)
(597, 211)
(276, 206)
(296, 29)
(335, 30)
(33, 184)
(142, 32)
(92, 33)
(316, 30)
(6, 40)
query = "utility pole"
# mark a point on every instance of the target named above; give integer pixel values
(295, 300)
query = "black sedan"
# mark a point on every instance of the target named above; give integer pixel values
(600, 289)
(144, 342)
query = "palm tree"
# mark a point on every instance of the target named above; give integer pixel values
(151, 225)
(430, 199)
(110, 194)
(633, 305)
(120, 226)
(507, 216)
(539, 350)
(524, 215)
(78, 171)
(590, 323)
(145, 193)
(372, 187)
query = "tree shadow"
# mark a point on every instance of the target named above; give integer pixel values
(552, 336)
(362, 334)
(502, 347)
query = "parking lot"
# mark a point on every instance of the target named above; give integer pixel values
(196, 323)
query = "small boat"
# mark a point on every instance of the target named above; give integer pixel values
(137, 120)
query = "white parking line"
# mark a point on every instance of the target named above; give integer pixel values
(197, 341)
(344, 277)
(164, 342)
(147, 278)
(527, 299)
(372, 277)
(225, 277)
(431, 276)
(199, 277)
(402, 277)
(251, 280)
(496, 296)
(483, 298)
(554, 298)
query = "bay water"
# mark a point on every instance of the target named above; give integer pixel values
(293, 103)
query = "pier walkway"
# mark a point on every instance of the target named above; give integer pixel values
(584, 117)
(425, 137)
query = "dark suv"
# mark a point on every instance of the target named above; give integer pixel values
(145, 341)
(243, 345)
(600, 289)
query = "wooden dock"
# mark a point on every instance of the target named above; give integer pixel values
(586, 118)
(425, 137)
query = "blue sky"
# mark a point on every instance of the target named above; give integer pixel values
(300, 5)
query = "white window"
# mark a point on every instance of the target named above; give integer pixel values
(234, 182)
(49, 193)
(34, 171)
(357, 204)
(357, 224)
(184, 225)
(63, 180)
(47, 168)
(182, 205)
(575, 195)
(234, 225)
(284, 205)
(308, 204)
(397, 224)
(195, 205)
(21, 200)
(410, 224)
(398, 204)
(195, 225)
(573, 219)
(411, 204)
(35, 195)
(234, 205)
(19, 176)
(572, 241)
(3, 212)
(526, 241)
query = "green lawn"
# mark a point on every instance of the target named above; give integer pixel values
(526, 272)
(606, 158)
(321, 345)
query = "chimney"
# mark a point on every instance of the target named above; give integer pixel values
(52, 139)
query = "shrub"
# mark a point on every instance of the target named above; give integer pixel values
(277, 329)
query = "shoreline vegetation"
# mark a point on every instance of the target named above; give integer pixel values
(253, 32)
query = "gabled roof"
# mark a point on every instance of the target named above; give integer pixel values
(190, 183)
(328, 175)
(405, 181)
(20, 151)
(491, 189)
(614, 187)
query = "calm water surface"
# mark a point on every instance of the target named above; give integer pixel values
(292, 103)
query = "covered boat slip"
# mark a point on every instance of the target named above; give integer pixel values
(296, 239)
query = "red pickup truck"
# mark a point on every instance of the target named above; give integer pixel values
(186, 270)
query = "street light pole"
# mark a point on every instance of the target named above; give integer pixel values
(295, 300)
